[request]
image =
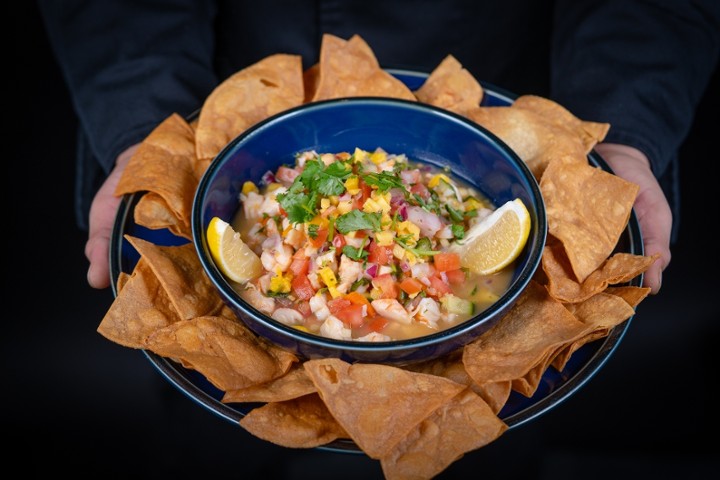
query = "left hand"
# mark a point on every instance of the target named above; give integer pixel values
(651, 207)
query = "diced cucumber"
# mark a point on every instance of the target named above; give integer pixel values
(457, 305)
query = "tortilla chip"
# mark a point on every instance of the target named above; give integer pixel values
(294, 384)
(153, 212)
(587, 210)
(451, 87)
(378, 404)
(140, 308)
(536, 325)
(179, 270)
(462, 424)
(311, 77)
(348, 68)
(163, 164)
(304, 422)
(223, 350)
(589, 133)
(631, 294)
(535, 140)
(450, 366)
(620, 268)
(265, 88)
(600, 313)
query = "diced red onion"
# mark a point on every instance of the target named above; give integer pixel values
(267, 178)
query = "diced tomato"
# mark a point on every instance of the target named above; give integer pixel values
(365, 190)
(302, 288)
(360, 299)
(445, 262)
(304, 308)
(410, 285)
(387, 285)
(440, 287)
(299, 266)
(420, 190)
(351, 315)
(380, 255)
(337, 304)
(455, 277)
(338, 241)
(319, 240)
(377, 324)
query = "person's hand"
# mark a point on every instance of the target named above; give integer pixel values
(102, 216)
(651, 207)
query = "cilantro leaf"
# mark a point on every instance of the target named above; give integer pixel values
(384, 181)
(356, 220)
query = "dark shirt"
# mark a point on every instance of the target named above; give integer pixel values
(641, 66)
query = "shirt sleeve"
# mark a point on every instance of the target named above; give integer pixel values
(130, 64)
(641, 66)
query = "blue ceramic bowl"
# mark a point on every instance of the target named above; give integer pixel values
(424, 133)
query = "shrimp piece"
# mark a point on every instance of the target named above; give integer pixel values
(374, 337)
(288, 316)
(392, 310)
(327, 260)
(270, 206)
(427, 311)
(276, 254)
(349, 272)
(252, 202)
(295, 238)
(258, 300)
(333, 327)
(318, 305)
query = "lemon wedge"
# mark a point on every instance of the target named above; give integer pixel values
(497, 240)
(233, 257)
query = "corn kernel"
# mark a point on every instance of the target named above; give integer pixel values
(352, 185)
(249, 187)
(360, 155)
(384, 239)
(328, 277)
(344, 207)
(435, 181)
(378, 157)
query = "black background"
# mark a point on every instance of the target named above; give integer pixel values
(77, 403)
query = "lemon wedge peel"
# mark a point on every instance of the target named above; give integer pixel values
(497, 240)
(231, 254)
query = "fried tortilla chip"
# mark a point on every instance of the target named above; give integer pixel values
(462, 424)
(619, 268)
(378, 404)
(140, 308)
(294, 384)
(153, 212)
(631, 294)
(265, 88)
(589, 133)
(536, 325)
(163, 164)
(587, 210)
(536, 140)
(223, 350)
(600, 313)
(450, 366)
(451, 87)
(304, 422)
(348, 68)
(179, 270)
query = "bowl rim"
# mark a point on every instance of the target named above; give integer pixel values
(351, 347)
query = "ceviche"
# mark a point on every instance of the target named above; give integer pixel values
(358, 246)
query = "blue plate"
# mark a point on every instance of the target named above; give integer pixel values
(554, 387)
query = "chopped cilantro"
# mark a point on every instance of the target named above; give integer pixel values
(384, 181)
(313, 230)
(455, 215)
(356, 220)
(458, 231)
(357, 254)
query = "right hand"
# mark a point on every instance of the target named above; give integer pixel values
(102, 217)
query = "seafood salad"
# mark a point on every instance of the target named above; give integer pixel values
(356, 246)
